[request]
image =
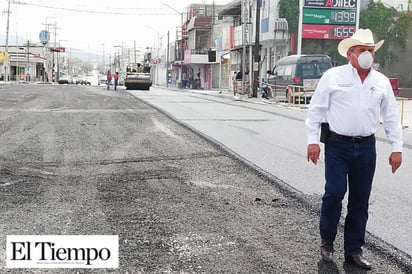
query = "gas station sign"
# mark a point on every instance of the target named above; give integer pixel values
(329, 19)
(347, 4)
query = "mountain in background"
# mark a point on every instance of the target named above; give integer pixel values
(71, 53)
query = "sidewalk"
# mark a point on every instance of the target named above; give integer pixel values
(224, 93)
(404, 104)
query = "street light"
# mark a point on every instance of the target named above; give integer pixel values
(181, 44)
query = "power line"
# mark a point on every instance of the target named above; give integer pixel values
(102, 12)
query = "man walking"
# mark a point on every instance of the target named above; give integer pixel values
(116, 80)
(350, 99)
(108, 79)
(234, 83)
(184, 80)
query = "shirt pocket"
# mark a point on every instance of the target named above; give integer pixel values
(374, 98)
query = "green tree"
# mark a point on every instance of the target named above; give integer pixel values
(387, 24)
(289, 9)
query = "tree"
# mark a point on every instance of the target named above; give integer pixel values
(386, 24)
(289, 9)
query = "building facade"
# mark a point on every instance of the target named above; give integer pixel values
(26, 62)
(229, 33)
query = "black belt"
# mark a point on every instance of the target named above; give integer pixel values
(353, 139)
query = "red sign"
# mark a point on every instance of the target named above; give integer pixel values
(59, 49)
(155, 61)
(335, 32)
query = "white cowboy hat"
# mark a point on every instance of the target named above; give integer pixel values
(362, 37)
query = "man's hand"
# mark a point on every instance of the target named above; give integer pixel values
(395, 160)
(313, 153)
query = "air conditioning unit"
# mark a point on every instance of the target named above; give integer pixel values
(281, 24)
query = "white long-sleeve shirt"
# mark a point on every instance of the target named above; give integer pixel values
(353, 108)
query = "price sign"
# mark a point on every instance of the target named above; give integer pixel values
(329, 16)
(342, 32)
(332, 32)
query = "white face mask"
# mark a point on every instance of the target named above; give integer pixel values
(365, 60)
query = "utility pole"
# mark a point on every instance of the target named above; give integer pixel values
(181, 42)
(257, 49)
(49, 65)
(167, 61)
(134, 52)
(245, 38)
(28, 61)
(17, 61)
(7, 65)
(55, 65)
(103, 59)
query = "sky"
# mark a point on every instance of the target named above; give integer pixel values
(99, 26)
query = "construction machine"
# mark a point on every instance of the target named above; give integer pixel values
(138, 76)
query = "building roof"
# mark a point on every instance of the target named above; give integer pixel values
(200, 22)
(232, 8)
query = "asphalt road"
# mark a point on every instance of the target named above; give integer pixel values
(273, 138)
(86, 161)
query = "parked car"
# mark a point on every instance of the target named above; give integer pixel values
(75, 79)
(295, 77)
(83, 80)
(65, 79)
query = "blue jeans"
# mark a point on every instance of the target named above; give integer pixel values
(347, 165)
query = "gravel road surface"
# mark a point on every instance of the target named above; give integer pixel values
(85, 161)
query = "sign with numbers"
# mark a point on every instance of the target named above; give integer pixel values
(329, 19)
(331, 32)
(329, 16)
